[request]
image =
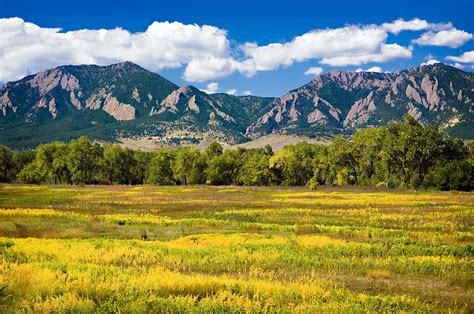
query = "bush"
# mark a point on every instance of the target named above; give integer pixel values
(455, 175)
(313, 183)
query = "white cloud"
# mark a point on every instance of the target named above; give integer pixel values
(375, 69)
(458, 65)
(387, 52)
(467, 57)
(211, 67)
(314, 71)
(430, 61)
(400, 25)
(347, 41)
(453, 38)
(372, 69)
(26, 47)
(232, 91)
(247, 93)
(205, 52)
(415, 24)
(211, 88)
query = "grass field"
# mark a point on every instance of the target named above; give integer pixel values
(233, 249)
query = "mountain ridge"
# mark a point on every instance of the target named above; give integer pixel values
(124, 100)
(345, 101)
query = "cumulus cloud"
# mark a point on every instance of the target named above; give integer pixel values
(452, 38)
(247, 93)
(314, 71)
(349, 41)
(372, 69)
(430, 61)
(26, 47)
(211, 88)
(386, 53)
(205, 52)
(231, 91)
(415, 24)
(202, 69)
(467, 57)
(401, 25)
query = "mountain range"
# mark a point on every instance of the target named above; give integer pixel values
(124, 102)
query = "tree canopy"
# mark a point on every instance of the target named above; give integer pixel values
(403, 154)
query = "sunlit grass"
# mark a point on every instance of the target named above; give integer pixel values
(221, 249)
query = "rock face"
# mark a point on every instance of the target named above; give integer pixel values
(191, 103)
(121, 112)
(412, 93)
(6, 104)
(120, 100)
(431, 92)
(64, 90)
(360, 111)
(342, 102)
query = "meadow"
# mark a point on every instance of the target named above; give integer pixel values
(235, 249)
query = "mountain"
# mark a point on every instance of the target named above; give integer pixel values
(124, 91)
(342, 102)
(195, 114)
(126, 102)
(119, 101)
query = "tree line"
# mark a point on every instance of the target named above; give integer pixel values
(402, 154)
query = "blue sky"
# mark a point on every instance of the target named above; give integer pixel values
(234, 53)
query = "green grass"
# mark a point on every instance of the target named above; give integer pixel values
(234, 249)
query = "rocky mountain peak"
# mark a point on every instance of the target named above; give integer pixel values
(98, 99)
(358, 99)
(126, 65)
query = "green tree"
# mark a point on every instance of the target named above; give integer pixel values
(118, 165)
(293, 165)
(255, 169)
(369, 143)
(345, 157)
(214, 150)
(6, 164)
(49, 165)
(160, 169)
(60, 170)
(30, 174)
(425, 147)
(455, 175)
(198, 172)
(223, 169)
(184, 163)
(139, 170)
(83, 160)
(21, 159)
(410, 152)
(323, 170)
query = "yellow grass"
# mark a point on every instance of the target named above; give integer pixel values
(233, 249)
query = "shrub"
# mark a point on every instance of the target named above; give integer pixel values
(455, 175)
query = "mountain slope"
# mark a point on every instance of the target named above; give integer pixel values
(116, 101)
(342, 102)
(123, 91)
(125, 101)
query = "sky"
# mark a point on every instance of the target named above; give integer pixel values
(264, 48)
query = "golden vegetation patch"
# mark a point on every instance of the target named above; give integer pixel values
(233, 249)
